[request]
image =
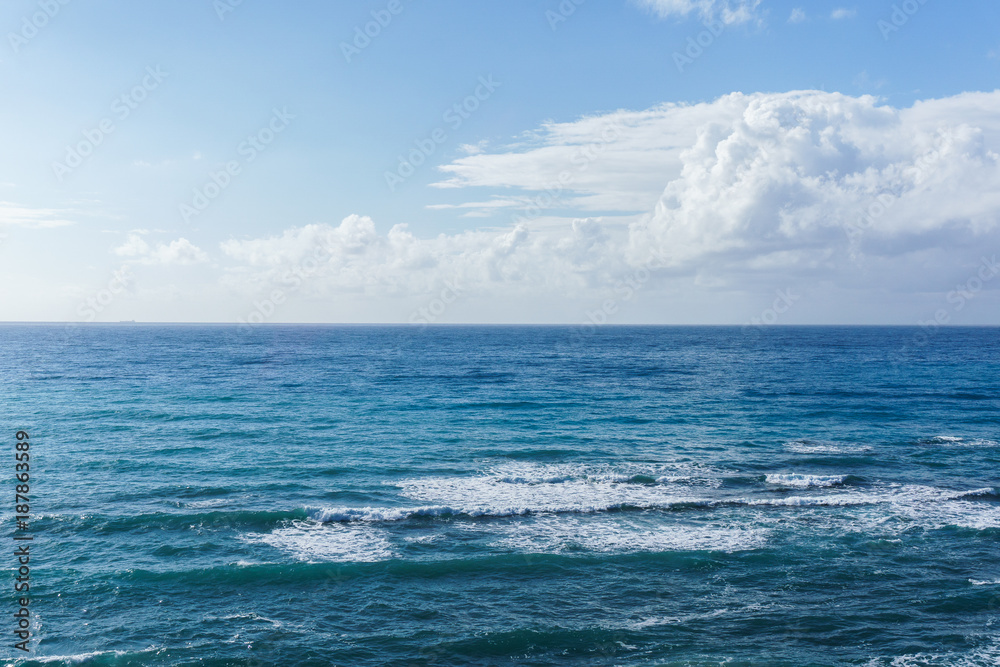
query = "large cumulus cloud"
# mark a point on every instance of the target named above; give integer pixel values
(816, 177)
(750, 188)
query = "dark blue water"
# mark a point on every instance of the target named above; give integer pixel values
(506, 496)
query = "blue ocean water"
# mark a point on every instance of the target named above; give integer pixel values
(507, 495)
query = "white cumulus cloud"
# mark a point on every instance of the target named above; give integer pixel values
(354, 257)
(812, 177)
(180, 251)
(750, 189)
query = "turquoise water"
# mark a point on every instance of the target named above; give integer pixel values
(507, 496)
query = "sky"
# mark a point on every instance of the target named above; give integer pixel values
(575, 161)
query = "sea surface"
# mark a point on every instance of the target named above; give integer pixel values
(202, 495)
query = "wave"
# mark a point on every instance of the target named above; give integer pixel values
(910, 496)
(317, 542)
(537, 490)
(558, 535)
(805, 481)
(987, 493)
(95, 658)
(818, 447)
(983, 656)
(959, 441)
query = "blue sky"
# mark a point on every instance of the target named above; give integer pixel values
(221, 76)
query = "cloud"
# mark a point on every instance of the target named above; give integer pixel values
(36, 218)
(180, 251)
(354, 257)
(614, 162)
(814, 187)
(841, 13)
(798, 15)
(728, 11)
(134, 246)
(807, 180)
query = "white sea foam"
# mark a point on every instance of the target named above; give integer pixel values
(676, 620)
(814, 447)
(314, 542)
(899, 507)
(958, 441)
(565, 534)
(675, 472)
(805, 481)
(77, 658)
(569, 512)
(984, 656)
(541, 490)
(985, 491)
(246, 616)
(512, 490)
(377, 514)
(208, 504)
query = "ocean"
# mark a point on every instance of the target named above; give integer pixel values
(353, 495)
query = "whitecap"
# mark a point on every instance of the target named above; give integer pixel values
(316, 542)
(804, 481)
(562, 534)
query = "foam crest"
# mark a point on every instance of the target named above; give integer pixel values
(959, 441)
(80, 658)
(985, 656)
(665, 473)
(564, 535)
(493, 496)
(805, 481)
(315, 542)
(817, 447)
